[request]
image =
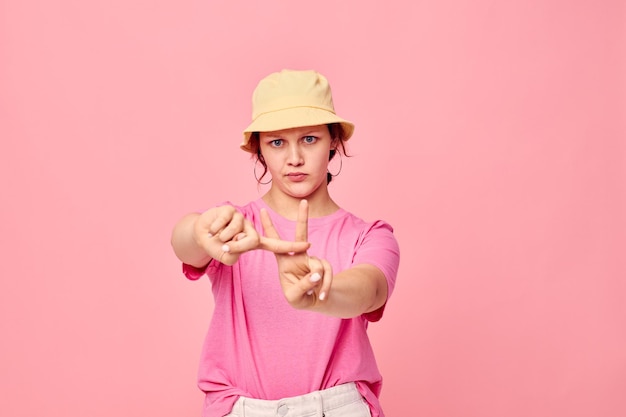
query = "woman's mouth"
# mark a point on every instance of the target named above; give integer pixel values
(296, 176)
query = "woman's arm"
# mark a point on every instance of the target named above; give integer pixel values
(354, 291)
(185, 246)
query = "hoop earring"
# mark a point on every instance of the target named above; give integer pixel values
(256, 177)
(340, 165)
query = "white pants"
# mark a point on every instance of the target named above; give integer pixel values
(339, 401)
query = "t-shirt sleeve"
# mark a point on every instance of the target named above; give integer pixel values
(379, 247)
(193, 273)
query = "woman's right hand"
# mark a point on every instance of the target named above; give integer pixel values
(225, 234)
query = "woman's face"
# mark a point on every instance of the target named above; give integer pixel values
(297, 159)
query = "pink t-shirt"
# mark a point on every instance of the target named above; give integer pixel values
(259, 346)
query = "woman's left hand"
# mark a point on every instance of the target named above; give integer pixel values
(305, 279)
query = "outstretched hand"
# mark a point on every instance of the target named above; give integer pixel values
(305, 280)
(225, 234)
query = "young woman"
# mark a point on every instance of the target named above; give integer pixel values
(295, 278)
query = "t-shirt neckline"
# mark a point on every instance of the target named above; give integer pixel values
(313, 221)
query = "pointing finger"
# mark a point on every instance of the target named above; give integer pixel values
(302, 222)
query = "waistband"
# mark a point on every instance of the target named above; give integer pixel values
(312, 404)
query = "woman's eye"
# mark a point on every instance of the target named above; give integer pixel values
(276, 142)
(309, 139)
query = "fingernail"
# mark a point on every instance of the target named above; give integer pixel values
(209, 234)
(225, 248)
(309, 292)
(322, 296)
(315, 277)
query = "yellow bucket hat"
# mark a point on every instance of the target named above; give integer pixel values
(289, 99)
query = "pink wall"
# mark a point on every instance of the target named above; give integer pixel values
(490, 134)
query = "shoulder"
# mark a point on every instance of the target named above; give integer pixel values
(376, 241)
(366, 228)
(367, 236)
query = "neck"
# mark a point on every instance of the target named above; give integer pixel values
(320, 203)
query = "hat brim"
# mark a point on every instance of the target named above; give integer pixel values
(293, 117)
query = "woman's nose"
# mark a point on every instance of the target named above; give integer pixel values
(295, 156)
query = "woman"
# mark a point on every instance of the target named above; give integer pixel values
(288, 333)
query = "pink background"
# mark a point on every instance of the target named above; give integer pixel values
(490, 134)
